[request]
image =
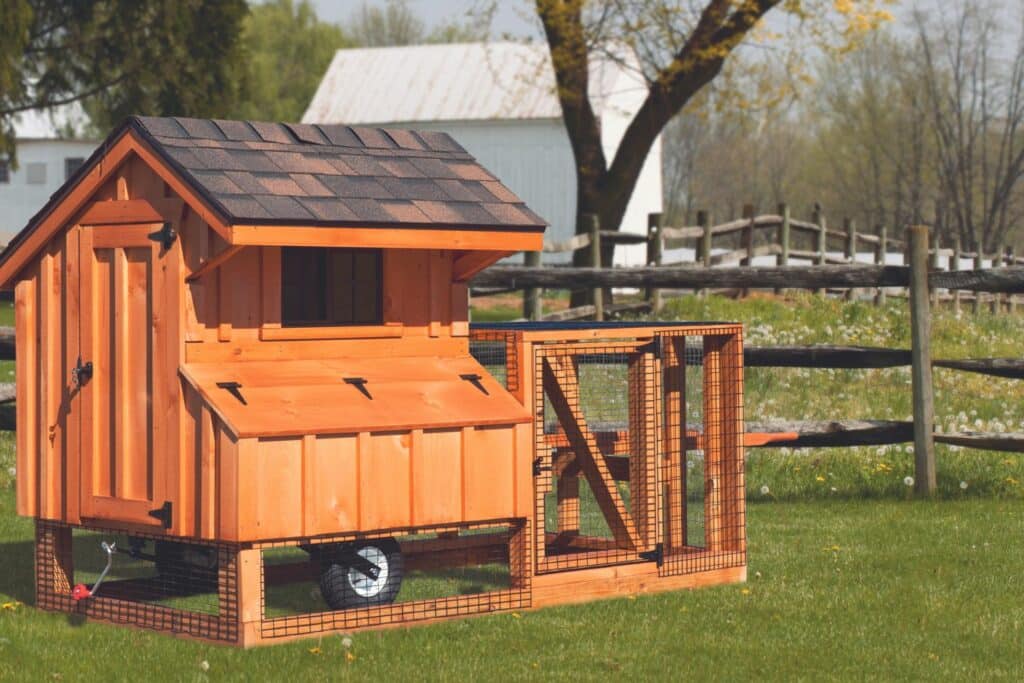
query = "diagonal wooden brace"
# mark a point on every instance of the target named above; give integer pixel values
(561, 384)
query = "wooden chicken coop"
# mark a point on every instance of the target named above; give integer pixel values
(251, 406)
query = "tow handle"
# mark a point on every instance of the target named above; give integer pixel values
(81, 591)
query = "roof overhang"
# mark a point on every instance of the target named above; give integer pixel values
(73, 203)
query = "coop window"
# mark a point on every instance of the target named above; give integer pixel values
(5, 171)
(321, 286)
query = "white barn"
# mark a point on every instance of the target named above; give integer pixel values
(498, 100)
(47, 156)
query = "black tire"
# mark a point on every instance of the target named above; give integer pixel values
(343, 582)
(188, 567)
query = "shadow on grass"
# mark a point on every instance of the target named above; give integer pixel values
(17, 570)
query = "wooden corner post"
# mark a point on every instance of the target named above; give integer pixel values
(531, 295)
(921, 366)
(654, 254)
(594, 223)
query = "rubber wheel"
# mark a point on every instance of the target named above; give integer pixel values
(345, 581)
(186, 565)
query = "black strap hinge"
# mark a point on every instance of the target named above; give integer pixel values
(656, 555)
(163, 513)
(360, 384)
(235, 389)
(537, 468)
(165, 236)
(474, 379)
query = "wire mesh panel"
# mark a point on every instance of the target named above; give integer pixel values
(150, 582)
(596, 445)
(702, 472)
(415, 576)
(497, 351)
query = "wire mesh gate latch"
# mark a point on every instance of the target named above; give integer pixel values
(81, 591)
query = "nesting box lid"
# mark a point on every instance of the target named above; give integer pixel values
(341, 396)
(305, 185)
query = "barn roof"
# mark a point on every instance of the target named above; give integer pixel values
(460, 82)
(249, 174)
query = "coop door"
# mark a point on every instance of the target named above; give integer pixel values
(595, 474)
(126, 376)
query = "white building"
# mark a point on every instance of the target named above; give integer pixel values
(47, 156)
(497, 100)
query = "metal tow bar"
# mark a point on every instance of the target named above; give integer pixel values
(81, 591)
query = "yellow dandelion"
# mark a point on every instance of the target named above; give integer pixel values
(820, 478)
(745, 591)
(517, 615)
(12, 606)
(349, 657)
(314, 650)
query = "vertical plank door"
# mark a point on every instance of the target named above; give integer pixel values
(123, 454)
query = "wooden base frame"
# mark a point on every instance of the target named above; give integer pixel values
(243, 578)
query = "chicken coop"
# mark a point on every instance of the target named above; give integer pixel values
(251, 406)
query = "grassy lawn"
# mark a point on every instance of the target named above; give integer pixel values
(837, 590)
(849, 578)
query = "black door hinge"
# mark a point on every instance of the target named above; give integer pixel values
(656, 555)
(653, 347)
(165, 236)
(163, 513)
(537, 468)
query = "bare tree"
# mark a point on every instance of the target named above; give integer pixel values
(973, 70)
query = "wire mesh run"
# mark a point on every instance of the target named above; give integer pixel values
(497, 351)
(415, 576)
(702, 471)
(180, 587)
(596, 433)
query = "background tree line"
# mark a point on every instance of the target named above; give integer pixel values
(922, 123)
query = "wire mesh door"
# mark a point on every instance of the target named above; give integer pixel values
(596, 452)
(702, 487)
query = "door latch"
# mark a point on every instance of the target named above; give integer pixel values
(81, 373)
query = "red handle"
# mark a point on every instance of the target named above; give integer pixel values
(81, 592)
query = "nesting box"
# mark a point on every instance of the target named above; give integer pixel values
(244, 362)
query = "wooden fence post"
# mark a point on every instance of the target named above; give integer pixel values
(978, 265)
(819, 218)
(955, 265)
(851, 251)
(881, 249)
(595, 262)
(704, 220)
(748, 241)
(531, 295)
(1011, 260)
(783, 258)
(654, 251)
(921, 365)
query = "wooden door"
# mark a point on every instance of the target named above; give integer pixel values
(128, 389)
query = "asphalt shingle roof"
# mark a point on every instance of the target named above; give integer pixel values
(289, 173)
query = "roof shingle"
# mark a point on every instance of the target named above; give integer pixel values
(256, 172)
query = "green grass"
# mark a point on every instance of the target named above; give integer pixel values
(838, 590)
(848, 577)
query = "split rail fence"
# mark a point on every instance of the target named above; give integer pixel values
(916, 277)
(759, 237)
(921, 282)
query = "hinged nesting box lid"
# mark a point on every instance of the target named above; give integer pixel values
(353, 395)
